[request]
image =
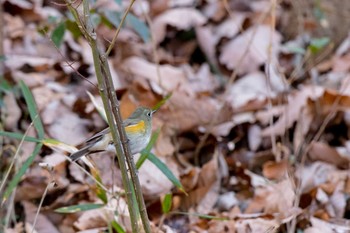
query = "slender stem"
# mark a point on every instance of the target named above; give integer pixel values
(115, 134)
(101, 78)
(119, 28)
(129, 157)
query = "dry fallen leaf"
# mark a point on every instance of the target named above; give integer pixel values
(43, 223)
(322, 152)
(252, 86)
(275, 170)
(170, 77)
(249, 50)
(64, 125)
(153, 182)
(205, 194)
(181, 18)
(12, 112)
(293, 110)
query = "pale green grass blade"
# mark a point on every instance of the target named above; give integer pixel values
(78, 208)
(32, 109)
(19, 136)
(17, 178)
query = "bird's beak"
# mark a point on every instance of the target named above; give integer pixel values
(153, 111)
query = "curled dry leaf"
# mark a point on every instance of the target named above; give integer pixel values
(275, 170)
(229, 28)
(251, 49)
(296, 102)
(203, 81)
(43, 224)
(205, 194)
(181, 18)
(250, 87)
(274, 198)
(185, 112)
(170, 77)
(256, 225)
(12, 111)
(14, 26)
(64, 125)
(320, 151)
(207, 42)
(208, 37)
(96, 218)
(314, 175)
(222, 226)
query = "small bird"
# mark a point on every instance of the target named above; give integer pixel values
(138, 128)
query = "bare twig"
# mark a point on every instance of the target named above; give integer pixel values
(50, 185)
(119, 28)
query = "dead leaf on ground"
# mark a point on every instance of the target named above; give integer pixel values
(181, 18)
(320, 151)
(92, 219)
(275, 170)
(43, 224)
(12, 112)
(170, 77)
(153, 182)
(252, 86)
(293, 110)
(64, 125)
(249, 50)
(205, 193)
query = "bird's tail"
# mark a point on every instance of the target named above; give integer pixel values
(80, 153)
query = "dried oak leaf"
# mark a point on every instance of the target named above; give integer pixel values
(320, 151)
(181, 18)
(249, 50)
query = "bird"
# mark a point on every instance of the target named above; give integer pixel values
(138, 128)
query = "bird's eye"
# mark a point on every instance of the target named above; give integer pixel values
(149, 114)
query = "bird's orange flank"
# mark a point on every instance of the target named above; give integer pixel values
(136, 128)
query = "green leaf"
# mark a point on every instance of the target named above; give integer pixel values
(100, 192)
(119, 2)
(2, 58)
(113, 17)
(116, 226)
(166, 204)
(139, 26)
(295, 49)
(4, 85)
(160, 103)
(317, 44)
(73, 28)
(166, 171)
(58, 34)
(19, 136)
(32, 109)
(78, 208)
(17, 178)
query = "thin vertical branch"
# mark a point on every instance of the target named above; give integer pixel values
(113, 121)
(126, 148)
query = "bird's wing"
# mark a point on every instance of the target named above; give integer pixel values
(98, 136)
